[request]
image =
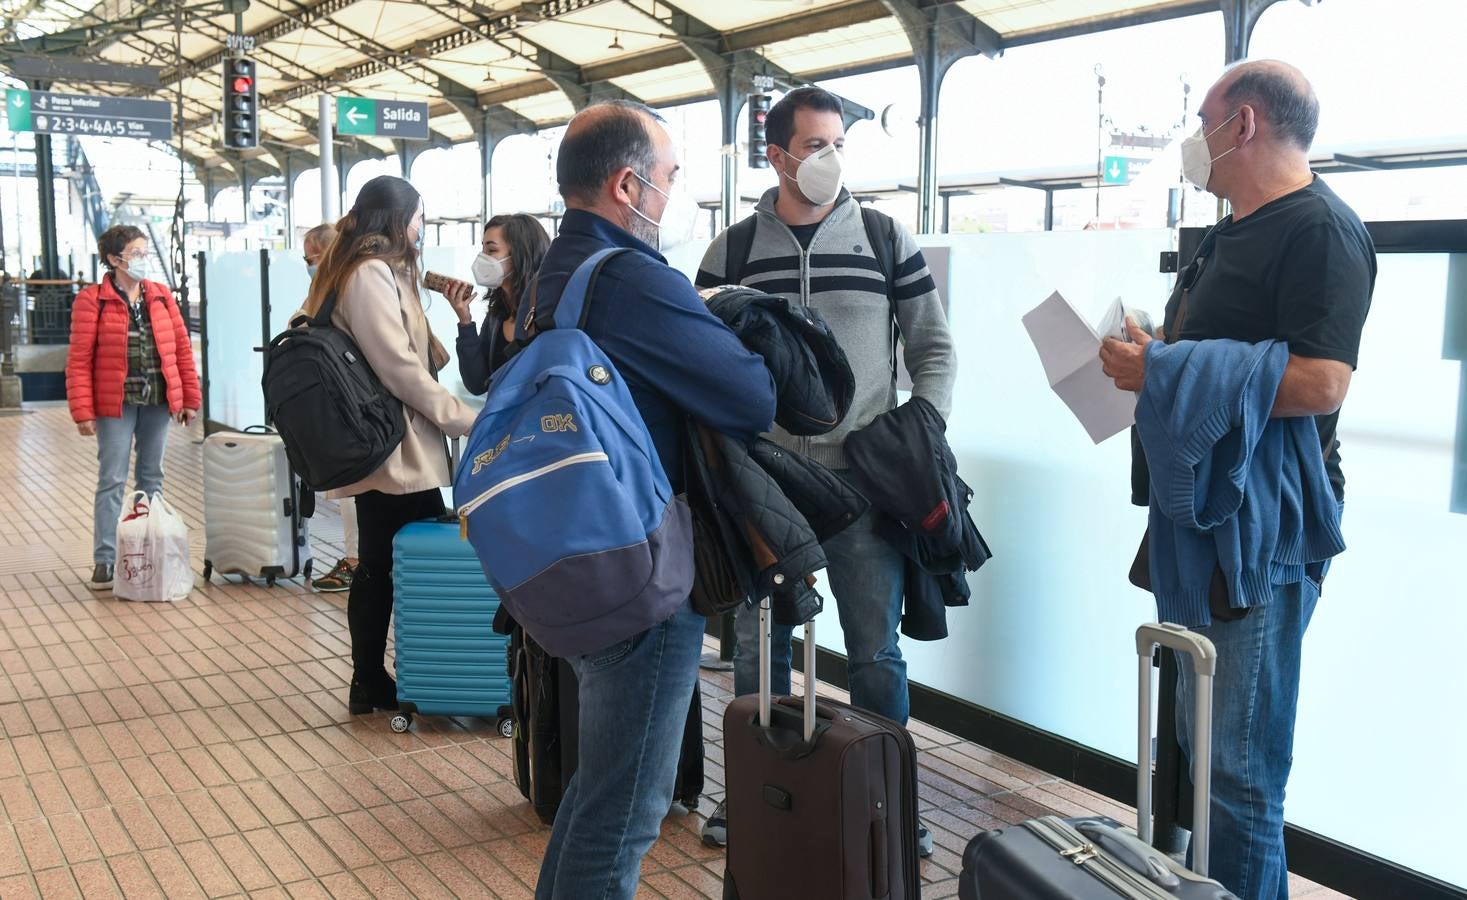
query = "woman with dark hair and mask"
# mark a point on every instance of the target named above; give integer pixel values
(373, 267)
(513, 247)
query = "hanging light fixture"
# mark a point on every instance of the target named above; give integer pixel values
(615, 42)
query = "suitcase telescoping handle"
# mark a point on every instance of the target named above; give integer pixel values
(454, 449)
(765, 639)
(1204, 663)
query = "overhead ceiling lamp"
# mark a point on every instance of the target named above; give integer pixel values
(615, 42)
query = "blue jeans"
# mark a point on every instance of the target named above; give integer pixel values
(867, 576)
(634, 704)
(148, 426)
(1255, 696)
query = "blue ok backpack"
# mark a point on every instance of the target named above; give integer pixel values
(564, 497)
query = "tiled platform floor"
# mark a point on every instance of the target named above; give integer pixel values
(204, 748)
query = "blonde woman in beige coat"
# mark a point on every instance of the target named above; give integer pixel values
(373, 267)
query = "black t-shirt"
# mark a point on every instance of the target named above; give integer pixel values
(1300, 269)
(804, 234)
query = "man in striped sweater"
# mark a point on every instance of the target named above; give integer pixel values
(812, 244)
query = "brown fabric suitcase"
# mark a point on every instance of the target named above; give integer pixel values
(820, 807)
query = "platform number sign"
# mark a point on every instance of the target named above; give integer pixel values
(46, 112)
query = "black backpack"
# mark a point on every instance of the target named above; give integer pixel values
(338, 422)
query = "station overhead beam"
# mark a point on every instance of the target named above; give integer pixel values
(939, 31)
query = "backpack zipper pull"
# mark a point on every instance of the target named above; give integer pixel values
(463, 527)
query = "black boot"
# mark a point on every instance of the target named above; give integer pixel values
(368, 608)
(372, 693)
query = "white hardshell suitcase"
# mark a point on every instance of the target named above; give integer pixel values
(254, 515)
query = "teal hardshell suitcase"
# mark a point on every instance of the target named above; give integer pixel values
(450, 661)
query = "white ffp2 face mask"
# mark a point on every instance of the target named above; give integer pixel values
(488, 271)
(820, 175)
(679, 218)
(1197, 159)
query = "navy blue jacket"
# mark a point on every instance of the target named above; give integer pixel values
(677, 358)
(481, 352)
(1230, 487)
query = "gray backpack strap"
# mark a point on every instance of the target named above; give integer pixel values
(738, 247)
(881, 235)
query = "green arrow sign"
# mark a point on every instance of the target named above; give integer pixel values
(1117, 170)
(356, 115)
(18, 110)
(398, 119)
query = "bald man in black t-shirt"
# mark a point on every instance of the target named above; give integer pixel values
(1291, 263)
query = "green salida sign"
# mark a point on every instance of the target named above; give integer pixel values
(369, 117)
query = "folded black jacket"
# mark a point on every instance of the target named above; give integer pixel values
(760, 512)
(812, 377)
(760, 515)
(904, 466)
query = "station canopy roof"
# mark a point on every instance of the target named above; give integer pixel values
(526, 64)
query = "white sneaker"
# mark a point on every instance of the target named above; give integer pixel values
(715, 827)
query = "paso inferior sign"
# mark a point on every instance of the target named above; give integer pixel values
(51, 113)
(402, 119)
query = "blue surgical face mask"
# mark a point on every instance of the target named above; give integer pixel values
(311, 269)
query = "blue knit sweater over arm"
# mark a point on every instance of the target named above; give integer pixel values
(1230, 487)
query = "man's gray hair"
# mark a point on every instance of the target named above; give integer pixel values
(613, 140)
(1283, 98)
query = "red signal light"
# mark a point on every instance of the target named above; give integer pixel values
(242, 85)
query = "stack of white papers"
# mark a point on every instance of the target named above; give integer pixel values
(1070, 351)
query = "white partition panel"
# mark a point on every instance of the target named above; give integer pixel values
(233, 300)
(1381, 712)
(289, 284)
(1048, 636)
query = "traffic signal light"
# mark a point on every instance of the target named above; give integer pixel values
(241, 105)
(758, 143)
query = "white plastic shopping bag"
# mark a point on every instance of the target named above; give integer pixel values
(152, 552)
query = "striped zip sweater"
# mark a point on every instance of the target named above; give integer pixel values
(839, 277)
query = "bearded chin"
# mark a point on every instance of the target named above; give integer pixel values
(643, 230)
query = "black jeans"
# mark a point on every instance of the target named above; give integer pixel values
(369, 605)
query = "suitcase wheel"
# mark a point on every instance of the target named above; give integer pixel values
(306, 572)
(269, 581)
(506, 727)
(401, 723)
(208, 570)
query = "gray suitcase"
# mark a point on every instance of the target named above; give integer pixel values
(1096, 858)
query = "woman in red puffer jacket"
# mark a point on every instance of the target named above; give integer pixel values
(130, 370)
